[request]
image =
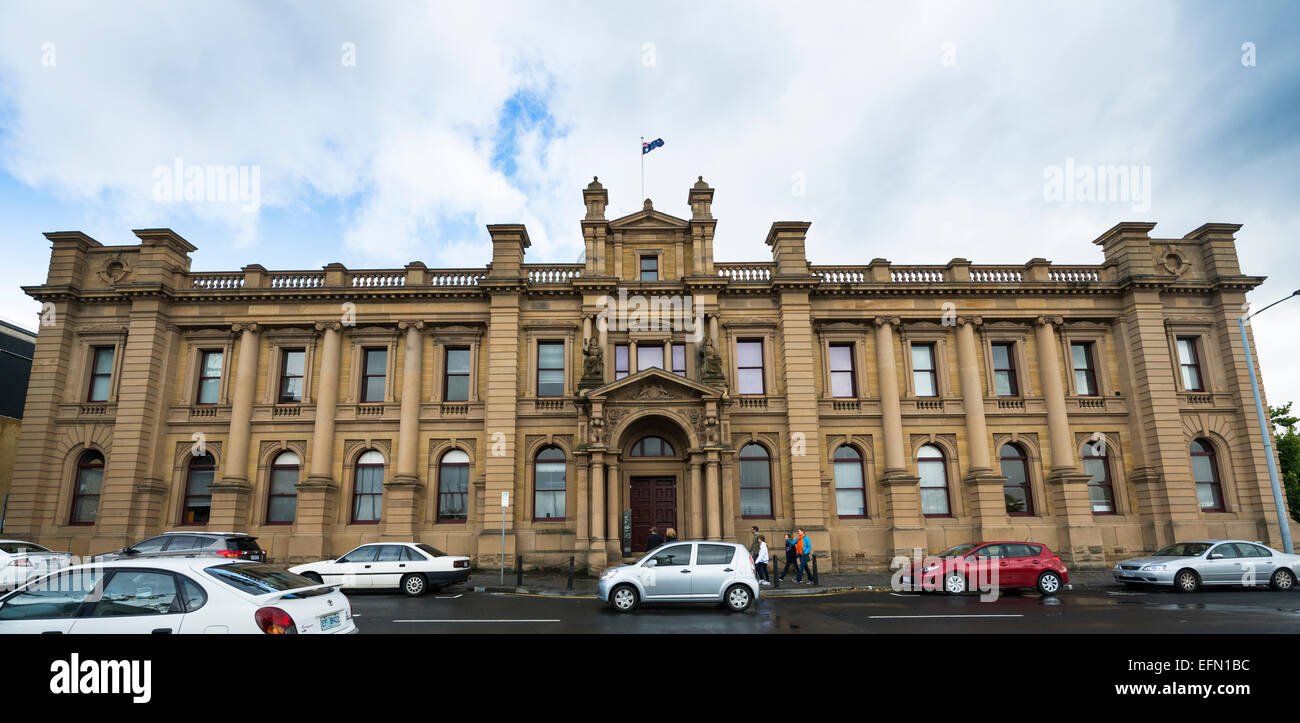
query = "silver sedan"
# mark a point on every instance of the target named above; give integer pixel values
(1186, 566)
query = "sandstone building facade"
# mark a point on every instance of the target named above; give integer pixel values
(1104, 410)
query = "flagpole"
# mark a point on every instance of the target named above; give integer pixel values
(643, 168)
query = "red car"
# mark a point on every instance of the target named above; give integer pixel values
(986, 565)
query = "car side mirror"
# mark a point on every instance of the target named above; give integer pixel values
(130, 551)
(1216, 556)
(651, 562)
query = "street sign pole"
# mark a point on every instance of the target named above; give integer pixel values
(505, 503)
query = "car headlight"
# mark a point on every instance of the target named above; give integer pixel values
(1154, 567)
(928, 568)
(611, 572)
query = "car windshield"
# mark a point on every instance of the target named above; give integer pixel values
(431, 550)
(1183, 549)
(19, 547)
(258, 579)
(957, 551)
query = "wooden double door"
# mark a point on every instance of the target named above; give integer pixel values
(653, 504)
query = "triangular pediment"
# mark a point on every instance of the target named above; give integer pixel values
(648, 219)
(653, 385)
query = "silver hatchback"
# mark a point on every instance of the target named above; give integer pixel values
(697, 571)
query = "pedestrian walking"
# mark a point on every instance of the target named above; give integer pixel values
(791, 557)
(803, 546)
(753, 542)
(654, 539)
(670, 536)
(760, 562)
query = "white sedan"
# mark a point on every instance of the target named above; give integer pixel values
(412, 567)
(182, 595)
(23, 561)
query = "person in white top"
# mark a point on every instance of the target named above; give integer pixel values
(760, 563)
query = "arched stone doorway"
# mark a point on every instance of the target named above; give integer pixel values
(653, 461)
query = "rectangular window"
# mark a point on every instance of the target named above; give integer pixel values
(679, 359)
(455, 385)
(1004, 370)
(841, 362)
(550, 369)
(374, 368)
(649, 356)
(923, 374)
(209, 377)
(1190, 362)
(101, 373)
(749, 366)
(291, 374)
(1085, 376)
(649, 268)
(620, 361)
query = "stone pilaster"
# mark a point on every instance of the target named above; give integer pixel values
(900, 487)
(318, 492)
(613, 536)
(404, 492)
(597, 559)
(697, 501)
(714, 495)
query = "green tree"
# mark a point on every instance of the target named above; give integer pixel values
(1288, 453)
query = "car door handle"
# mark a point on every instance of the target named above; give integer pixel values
(402, 565)
(685, 571)
(727, 569)
(161, 631)
(367, 567)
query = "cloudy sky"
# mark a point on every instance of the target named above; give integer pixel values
(383, 133)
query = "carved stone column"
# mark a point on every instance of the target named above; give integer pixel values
(984, 486)
(697, 530)
(1066, 484)
(714, 493)
(404, 491)
(230, 494)
(901, 489)
(612, 532)
(317, 494)
(596, 559)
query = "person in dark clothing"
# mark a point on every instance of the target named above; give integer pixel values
(654, 539)
(791, 557)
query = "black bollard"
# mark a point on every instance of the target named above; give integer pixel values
(815, 579)
(519, 570)
(570, 585)
(776, 579)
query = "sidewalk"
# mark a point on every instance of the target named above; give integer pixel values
(555, 584)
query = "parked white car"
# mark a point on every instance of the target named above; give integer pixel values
(684, 572)
(23, 561)
(412, 567)
(179, 595)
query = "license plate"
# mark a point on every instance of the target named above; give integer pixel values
(329, 622)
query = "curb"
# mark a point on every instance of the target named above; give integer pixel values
(768, 592)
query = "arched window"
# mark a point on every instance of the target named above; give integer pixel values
(368, 488)
(933, 471)
(85, 493)
(198, 498)
(755, 481)
(850, 485)
(652, 447)
(453, 486)
(548, 484)
(1205, 470)
(1101, 493)
(282, 500)
(1015, 467)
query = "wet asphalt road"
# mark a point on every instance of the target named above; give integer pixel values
(1091, 611)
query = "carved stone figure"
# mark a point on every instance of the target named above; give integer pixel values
(593, 368)
(712, 365)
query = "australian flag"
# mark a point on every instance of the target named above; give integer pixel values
(647, 146)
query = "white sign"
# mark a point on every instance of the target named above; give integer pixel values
(505, 499)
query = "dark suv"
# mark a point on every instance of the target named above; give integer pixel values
(230, 545)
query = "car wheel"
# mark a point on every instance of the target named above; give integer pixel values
(314, 577)
(1049, 583)
(623, 598)
(739, 598)
(1283, 579)
(1187, 581)
(954, 583)
(414, 585)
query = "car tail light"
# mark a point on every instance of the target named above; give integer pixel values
(21, 562)
(460, 563)
(274, 621)
(229, 553)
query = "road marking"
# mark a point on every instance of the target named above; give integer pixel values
(891, 617)
(555, 620)
(447, 597)
(897, 595)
